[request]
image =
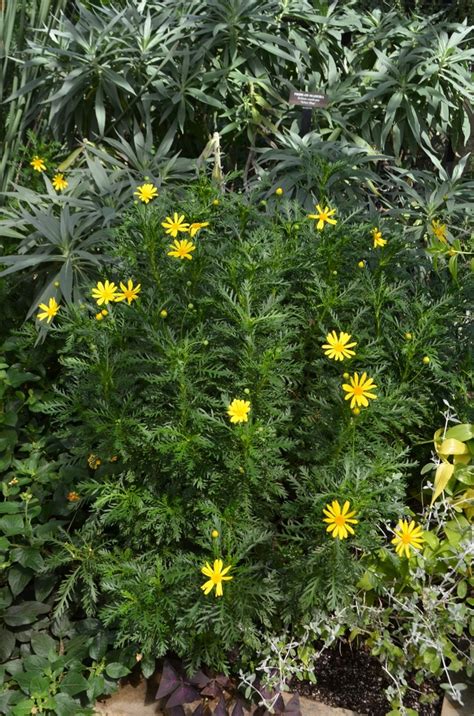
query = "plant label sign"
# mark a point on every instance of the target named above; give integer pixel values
(308, 100)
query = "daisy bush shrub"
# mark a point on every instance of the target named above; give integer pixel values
(246, 397)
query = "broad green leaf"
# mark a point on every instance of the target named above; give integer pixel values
(18, 578)
(43, 644)
(116, 670)
(44, 584)
(73, 683)
(11, 508)
(8, 439)
(465, 475)
(16, 376)
(30, 681)
(28, 557)
(66, 705)
(25, 613)
(96, 688)
(23, 708)
(148, 665)
(5, 597)
(12, 525)
(99, 646)
(7, 644)
(462, 432)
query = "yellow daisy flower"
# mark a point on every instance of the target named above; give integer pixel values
(105, 292)
(439, 230)
(216, 576)
(323, 216)
(359, 390)
(38, 164)
(407, 535)
(238, 411)
(194, 228)
(339, 520)
(48, 311)
(59, 182)
(338, 348)
(129, 292)
(377, 237)
(181, 249)
(174, 225)
(146, 192)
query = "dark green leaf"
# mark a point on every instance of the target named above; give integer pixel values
(5, 597)
(12, 525)
(18, 578)
(148, 665)
(99, 646)
(116, 670)
(65, 705)
(35, 664)
(73, 683)
(7, 644)
(96, 687)
(28, 557)
(11, 508)
(25, 613)
(23, 708)
(16, 376)
(43, 644)
(30, 681)
(44, 584)
(8, 439)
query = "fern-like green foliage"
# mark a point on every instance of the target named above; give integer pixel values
(146, 390)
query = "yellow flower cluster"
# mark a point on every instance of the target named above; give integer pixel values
(175, 225)
(182, 248)
(58, 180)
(325, 215)
(340, 521)
(107, 292)
(104, 293)
(408, 535)
(359, 389)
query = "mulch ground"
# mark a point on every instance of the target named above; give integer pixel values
(350, 678)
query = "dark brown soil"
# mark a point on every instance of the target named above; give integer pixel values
(350, 678)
